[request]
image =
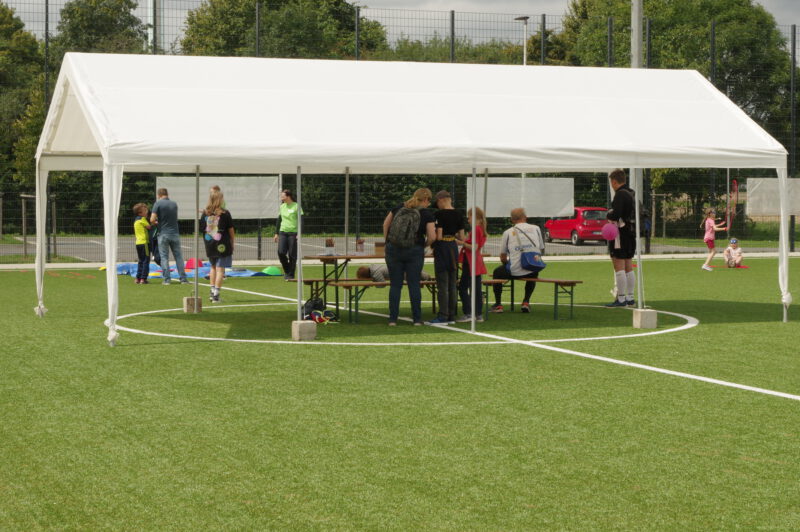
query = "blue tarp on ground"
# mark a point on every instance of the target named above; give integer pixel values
(129, 268)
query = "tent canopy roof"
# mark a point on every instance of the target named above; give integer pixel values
(256, 115)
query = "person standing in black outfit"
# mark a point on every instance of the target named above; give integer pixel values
(449, 227)
(623, 248)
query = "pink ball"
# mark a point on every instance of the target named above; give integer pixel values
(610, 231)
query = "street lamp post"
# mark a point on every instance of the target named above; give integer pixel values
(524, 39)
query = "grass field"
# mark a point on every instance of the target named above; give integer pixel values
(169, 433)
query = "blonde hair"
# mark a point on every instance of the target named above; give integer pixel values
(421, 195)
(480, 218)
(215, 202)
(708, 212)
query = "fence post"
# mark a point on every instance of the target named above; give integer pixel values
(46, 53)
(1, 214)
(258, 28)
(258, 253)
(713, 53)
(610, 42)
(543, 37)
(155, 27)
(358, 32)
(23, 199)
(452, 36)
(648, 45)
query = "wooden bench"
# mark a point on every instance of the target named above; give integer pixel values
(317, 286)
(356, 288)
(560, 286)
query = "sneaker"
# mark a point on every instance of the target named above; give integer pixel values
(392, 324)
(631, 302)
(184, 281)
(145, 281)
(479, 318)
(417, 323)
(466, 318)
(451, 321)
(617, 303)
(166, 282)
(526, 307)
(497, 309)
(707, 268)
(138, 281)
(437, 321)
(215, 298)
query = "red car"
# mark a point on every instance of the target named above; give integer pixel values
(585, 224)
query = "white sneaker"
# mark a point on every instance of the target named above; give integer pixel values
(707, 268)
(466, 318)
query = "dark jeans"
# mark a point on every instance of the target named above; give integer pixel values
(502, 273)
(143, 266)
(464, 285)
(447, 294)
(405, 264)
(287, 252)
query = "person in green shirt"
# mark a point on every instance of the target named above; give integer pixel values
(286, 234)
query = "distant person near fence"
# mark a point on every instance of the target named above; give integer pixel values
(286, 233)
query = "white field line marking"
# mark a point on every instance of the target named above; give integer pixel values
(240, 245)
(96, 242)
(498, 339)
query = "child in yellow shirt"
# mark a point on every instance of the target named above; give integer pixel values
(141, 229)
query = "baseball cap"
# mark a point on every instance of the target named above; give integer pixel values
(734, 241)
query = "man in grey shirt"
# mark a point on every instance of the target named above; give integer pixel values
(165, 214)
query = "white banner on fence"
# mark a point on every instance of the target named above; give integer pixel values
(247, 197)
(543, 197)
(762, 197)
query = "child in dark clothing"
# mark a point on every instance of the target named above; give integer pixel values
(449, 227)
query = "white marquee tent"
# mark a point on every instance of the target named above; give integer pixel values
(115, 113)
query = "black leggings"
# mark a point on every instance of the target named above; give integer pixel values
(287, 252)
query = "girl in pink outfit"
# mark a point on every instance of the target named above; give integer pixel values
(710, 230)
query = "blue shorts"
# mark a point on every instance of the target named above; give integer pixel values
(221, 262)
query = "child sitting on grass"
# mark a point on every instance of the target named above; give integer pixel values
(733, 254)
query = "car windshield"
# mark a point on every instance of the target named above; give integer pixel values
(594, 215)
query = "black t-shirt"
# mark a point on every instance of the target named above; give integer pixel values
(450, 221)
(425, 217)
(216, 234)
(622, 207)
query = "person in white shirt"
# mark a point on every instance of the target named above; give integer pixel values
(733, 254)
(521, 237)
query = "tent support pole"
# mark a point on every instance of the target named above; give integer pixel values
(299, 268)
(473, 237)
(346, 215)
(197, 239)
(637, 179)
(485, 189)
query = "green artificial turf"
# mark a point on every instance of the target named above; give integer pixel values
(170, 433)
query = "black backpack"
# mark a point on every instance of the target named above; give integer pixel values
(311, 305)
(404, 228)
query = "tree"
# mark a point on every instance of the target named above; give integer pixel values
(100, 26)
(289, 28)
(20, 63)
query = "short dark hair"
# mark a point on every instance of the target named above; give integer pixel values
(288, 193)
(618, 176)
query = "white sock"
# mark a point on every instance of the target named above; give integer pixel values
(620, 278)
(631, 275)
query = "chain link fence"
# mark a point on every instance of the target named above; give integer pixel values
(673, 200)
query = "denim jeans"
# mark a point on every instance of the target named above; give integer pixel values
(464, 286)
(287, 252)
(166, 243)
(405, 264)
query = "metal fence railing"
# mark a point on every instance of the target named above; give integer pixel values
(762, 81)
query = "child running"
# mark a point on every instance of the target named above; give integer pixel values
(711, 227)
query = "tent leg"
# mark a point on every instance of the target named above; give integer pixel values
(41, 222)
(112, 192)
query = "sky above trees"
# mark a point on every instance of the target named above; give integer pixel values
(785, 11)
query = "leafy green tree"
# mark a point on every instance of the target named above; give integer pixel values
(100, 26)
(289, 28)
(20, 63)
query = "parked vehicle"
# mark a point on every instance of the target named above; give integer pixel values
(585, 224)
